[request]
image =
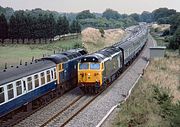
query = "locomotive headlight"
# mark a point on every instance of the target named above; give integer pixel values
(89, 74)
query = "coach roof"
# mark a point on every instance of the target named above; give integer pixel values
(15, 73)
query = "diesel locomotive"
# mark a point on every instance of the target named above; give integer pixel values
(100, 69)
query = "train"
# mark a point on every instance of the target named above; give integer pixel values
(98, 70)
(38, 82)
(23, 84)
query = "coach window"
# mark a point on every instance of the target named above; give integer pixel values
(42, 78)
(36, 80)
(2, 95)
(10, 91)
(48, 76)
(29, 83)
(18, 87)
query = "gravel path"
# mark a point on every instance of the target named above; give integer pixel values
(41, 116)
(95, 112)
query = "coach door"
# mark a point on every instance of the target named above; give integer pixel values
(60, 73)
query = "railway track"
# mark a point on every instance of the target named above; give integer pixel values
(64, 116)
(69, 112)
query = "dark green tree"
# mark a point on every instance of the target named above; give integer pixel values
(135, 16)
(162, 13)
(3, 28)
(75, 27)
(111, 14)
(51, 27)
(146, 17)
(59, 25)
(13, 31)
(65, 26)
(86, 14)
(175, 40)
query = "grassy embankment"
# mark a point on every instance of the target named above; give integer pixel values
(154, 102)
(13, 53)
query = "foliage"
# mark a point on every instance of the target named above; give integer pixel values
(163, 13)
(111, 14)
(101, 30)
(3, 28)
(107, 24)
(8, 12)
(62, 26)
(85, 14)
(175, 40)
(146, 17)
(135, 16)
(75, 27)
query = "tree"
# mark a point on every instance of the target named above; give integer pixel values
(59, 25)
(85, 15)
(146, 17)
(75, 27)
(65, 26)
(135, 16)
(111, 14)
(101, 30)
(12, 28)
(3, 28)
(175, 40)
(51, 26)
(162, 13)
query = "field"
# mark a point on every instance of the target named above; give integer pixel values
(91, 39)
(13, 53)
(154, 100)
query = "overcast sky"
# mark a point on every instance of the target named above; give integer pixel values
(122, 6)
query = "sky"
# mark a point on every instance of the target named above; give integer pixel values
(122, 6)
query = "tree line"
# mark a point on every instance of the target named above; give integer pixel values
(23, 25)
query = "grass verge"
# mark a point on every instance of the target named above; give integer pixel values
(155, 100)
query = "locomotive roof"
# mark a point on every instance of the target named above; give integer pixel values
(57, 58)
(15, 73)
(100, 55)
(65, 56)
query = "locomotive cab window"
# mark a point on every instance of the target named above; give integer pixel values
(10, 91)
(95, 66)
(19, 88)
(2, 97)
(83, 66)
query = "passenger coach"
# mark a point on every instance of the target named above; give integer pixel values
(51, 76)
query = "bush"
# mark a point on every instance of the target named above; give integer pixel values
(101, 30)
(164, 100)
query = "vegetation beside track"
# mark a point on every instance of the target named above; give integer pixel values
(155, 101)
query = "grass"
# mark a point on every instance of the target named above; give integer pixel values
(154, 102)
(13, 53)
(143, 109)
